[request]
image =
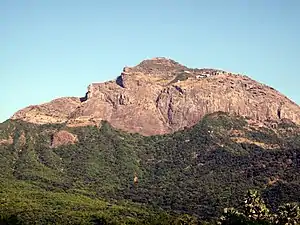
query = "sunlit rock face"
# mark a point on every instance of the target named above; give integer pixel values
(160, 96)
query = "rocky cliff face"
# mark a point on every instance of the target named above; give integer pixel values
(161, 96)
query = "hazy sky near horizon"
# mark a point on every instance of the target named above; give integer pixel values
(55, 48)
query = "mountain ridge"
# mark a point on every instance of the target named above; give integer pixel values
(160, 96)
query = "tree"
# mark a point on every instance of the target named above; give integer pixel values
(185, 220)
(254, 211)
(254, 207)
(288, 214)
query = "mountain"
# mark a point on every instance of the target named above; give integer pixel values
(54, 173)
(160, 96)
(162, 144)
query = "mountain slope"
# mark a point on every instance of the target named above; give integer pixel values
(198, 171)
(160, 96)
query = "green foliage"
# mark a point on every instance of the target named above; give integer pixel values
(288, 214)
(185, 220)
(254, 207)
(198, 171)
(232, 217)
(27, 204)
(254, 211)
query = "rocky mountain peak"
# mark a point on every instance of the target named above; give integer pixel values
(160, 96)
(159, 66)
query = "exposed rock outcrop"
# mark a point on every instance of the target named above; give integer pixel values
(56, 111)
(7, 141)
(63, 137)
(160, 96)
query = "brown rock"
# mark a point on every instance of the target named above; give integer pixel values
(160, 96)
(56, 111)
(8, 141)
(63, 137)
(22, 139)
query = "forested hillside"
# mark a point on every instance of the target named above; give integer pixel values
(197, 172)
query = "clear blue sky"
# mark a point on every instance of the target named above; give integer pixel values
(54, 48)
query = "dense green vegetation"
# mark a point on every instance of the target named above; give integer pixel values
(28, 204)
(191, 175)
(255, 211)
